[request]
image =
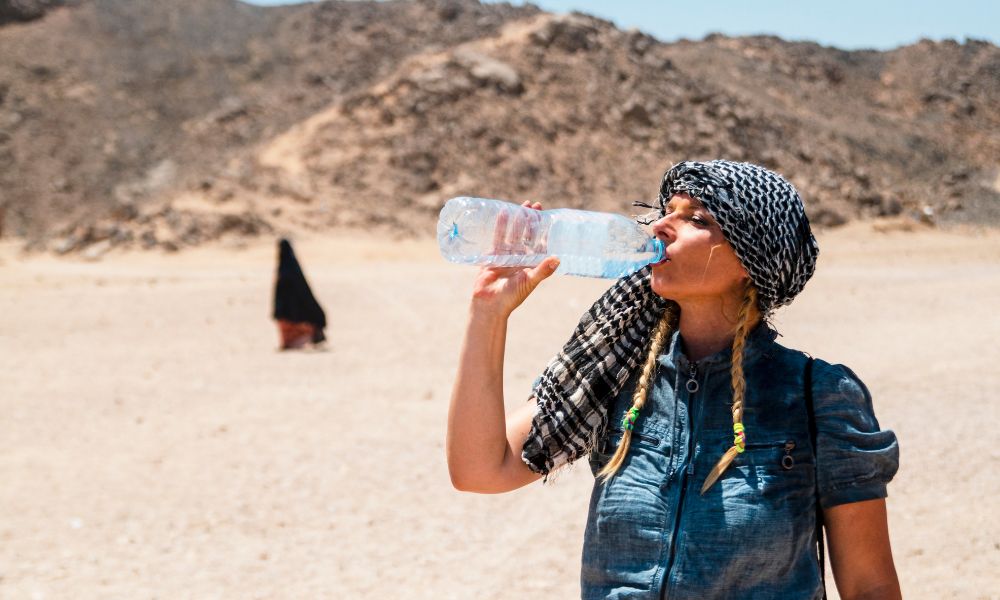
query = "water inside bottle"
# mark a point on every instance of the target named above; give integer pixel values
(480, 231)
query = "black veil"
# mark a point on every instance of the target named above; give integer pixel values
(293, 300)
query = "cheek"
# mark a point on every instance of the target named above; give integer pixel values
(722, 263)
(705, 264)
(728, 271)
(707, 255)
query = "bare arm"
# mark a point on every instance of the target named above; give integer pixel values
(860, 555)
(483, 446)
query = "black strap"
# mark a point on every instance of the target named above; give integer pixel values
(819, 511)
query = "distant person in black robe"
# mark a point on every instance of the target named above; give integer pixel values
(300, 318)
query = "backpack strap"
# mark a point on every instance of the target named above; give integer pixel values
(812, 436)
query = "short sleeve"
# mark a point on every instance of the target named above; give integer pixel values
(855, 458)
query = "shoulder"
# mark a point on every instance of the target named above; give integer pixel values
(839, 385)
(856, 457)
(827, 378)
(781, 362)
(834, 373)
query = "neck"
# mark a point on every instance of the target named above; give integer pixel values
(708, 326)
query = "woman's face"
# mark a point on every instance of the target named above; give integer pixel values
(701, 262)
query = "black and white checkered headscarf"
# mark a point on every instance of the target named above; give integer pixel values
(762, 218)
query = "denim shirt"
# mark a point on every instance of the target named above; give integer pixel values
(651, 535)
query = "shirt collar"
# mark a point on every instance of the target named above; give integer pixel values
(758, 340)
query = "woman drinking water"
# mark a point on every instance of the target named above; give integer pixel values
(719, 455)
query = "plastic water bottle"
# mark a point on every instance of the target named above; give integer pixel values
(478, 231)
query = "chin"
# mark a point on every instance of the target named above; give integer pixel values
(659, 286)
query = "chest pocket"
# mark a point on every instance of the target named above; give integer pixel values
(774, 470)
(624, 542)
(780, 455)
(608, 445)
(759, 500)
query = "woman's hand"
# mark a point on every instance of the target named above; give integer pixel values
(500, 290)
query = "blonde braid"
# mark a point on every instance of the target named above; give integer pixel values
(659, 336)
(745, 319)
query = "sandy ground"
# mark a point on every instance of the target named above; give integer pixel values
(153, 444)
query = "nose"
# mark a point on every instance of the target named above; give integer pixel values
(663, 229)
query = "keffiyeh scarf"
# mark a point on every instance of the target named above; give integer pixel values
(763, 219)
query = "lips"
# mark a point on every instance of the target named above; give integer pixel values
(665, 259)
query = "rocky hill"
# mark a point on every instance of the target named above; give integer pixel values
(167, 124)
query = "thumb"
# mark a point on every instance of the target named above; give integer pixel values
(543, 270)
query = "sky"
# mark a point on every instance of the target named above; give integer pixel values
(847, 24)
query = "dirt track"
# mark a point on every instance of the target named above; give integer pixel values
(154, 443)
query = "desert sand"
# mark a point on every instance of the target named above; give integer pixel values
(156, 445)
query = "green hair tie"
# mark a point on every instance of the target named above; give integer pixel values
(740, 439)
(628, 421)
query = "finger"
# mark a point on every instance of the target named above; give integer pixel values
(544, 269)
(534, 219)
(538, 234)
(486, 276)
(500, 231)
(534, 225)
(516, 238)
(499, 272)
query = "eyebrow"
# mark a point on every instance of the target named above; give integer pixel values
(696, 209)
(691, 206)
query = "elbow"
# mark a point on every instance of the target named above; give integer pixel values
(464, 480)
(463, 483)
(888, 590)
(458, 481)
